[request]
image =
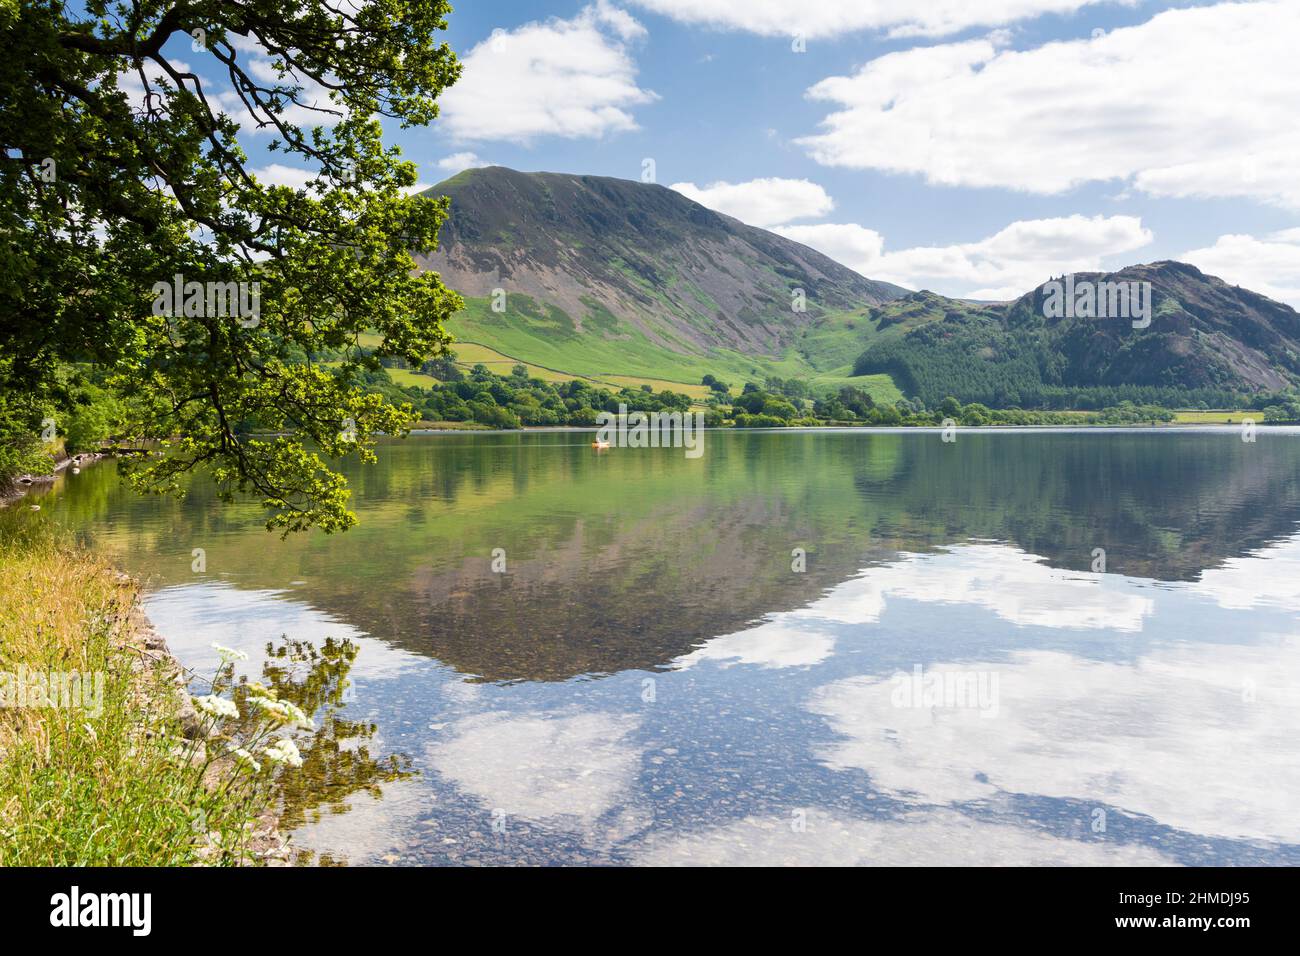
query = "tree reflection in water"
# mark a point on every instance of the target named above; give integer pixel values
(337, 757)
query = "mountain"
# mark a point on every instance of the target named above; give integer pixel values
(632, 283)
(1206, 338)
(606, 275)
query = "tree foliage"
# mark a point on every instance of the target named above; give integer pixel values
(511, 401)
(123, 169)
(980, 361)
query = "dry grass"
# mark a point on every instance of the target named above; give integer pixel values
(59, 611)
(109, 785)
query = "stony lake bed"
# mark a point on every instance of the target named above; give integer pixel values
(822, 646)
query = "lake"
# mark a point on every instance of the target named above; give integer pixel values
(833, 646)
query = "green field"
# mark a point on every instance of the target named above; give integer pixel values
(1215, 417)
(881, 388)
(406, 378)
(615, 354)
(469, 354)
(609, 350)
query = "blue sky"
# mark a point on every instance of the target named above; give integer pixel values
(974, 147)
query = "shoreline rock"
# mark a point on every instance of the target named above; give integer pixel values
(18, 487)
(268, 845)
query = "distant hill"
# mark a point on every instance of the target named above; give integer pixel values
(608, 275)
(1206, 338)
(631, 282)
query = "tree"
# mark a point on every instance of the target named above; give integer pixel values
(21, 449)
(886, 415)
(443, 368)
(779, 408)
(856, 400)
(123, 183)
(94, 418)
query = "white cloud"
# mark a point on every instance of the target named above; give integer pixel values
(193, 616)
(460, 161)
(787, 641)
(1016, 586)
(363, 827)
(570, 78)
(1194, 102)
(278, 174)
(312, 105)
(567, 770)
(846, 242)
(1001, 266)
(828, 18)
(762, 202)
(130, 83)
(919, 838)
(1268, 578)
(1270, 266)
(1172, 735)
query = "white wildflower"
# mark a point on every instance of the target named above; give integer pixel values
(282, 711)
(229, 655)
(247, 758)
(284, 751)
(216, 706)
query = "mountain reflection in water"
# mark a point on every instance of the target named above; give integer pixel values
(650, 682)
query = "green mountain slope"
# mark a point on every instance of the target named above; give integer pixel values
(605, 277)
(613, 279)
(1207, 340)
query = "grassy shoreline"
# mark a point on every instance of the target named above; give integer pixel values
(100, 750)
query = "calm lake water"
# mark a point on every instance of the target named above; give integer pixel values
(802, 647)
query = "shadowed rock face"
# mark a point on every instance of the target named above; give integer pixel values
(1204, 334)
(611, 251)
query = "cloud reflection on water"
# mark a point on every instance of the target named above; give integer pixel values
(1018, 587)
(920, 838)
(563, 769)
(1198, 737)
